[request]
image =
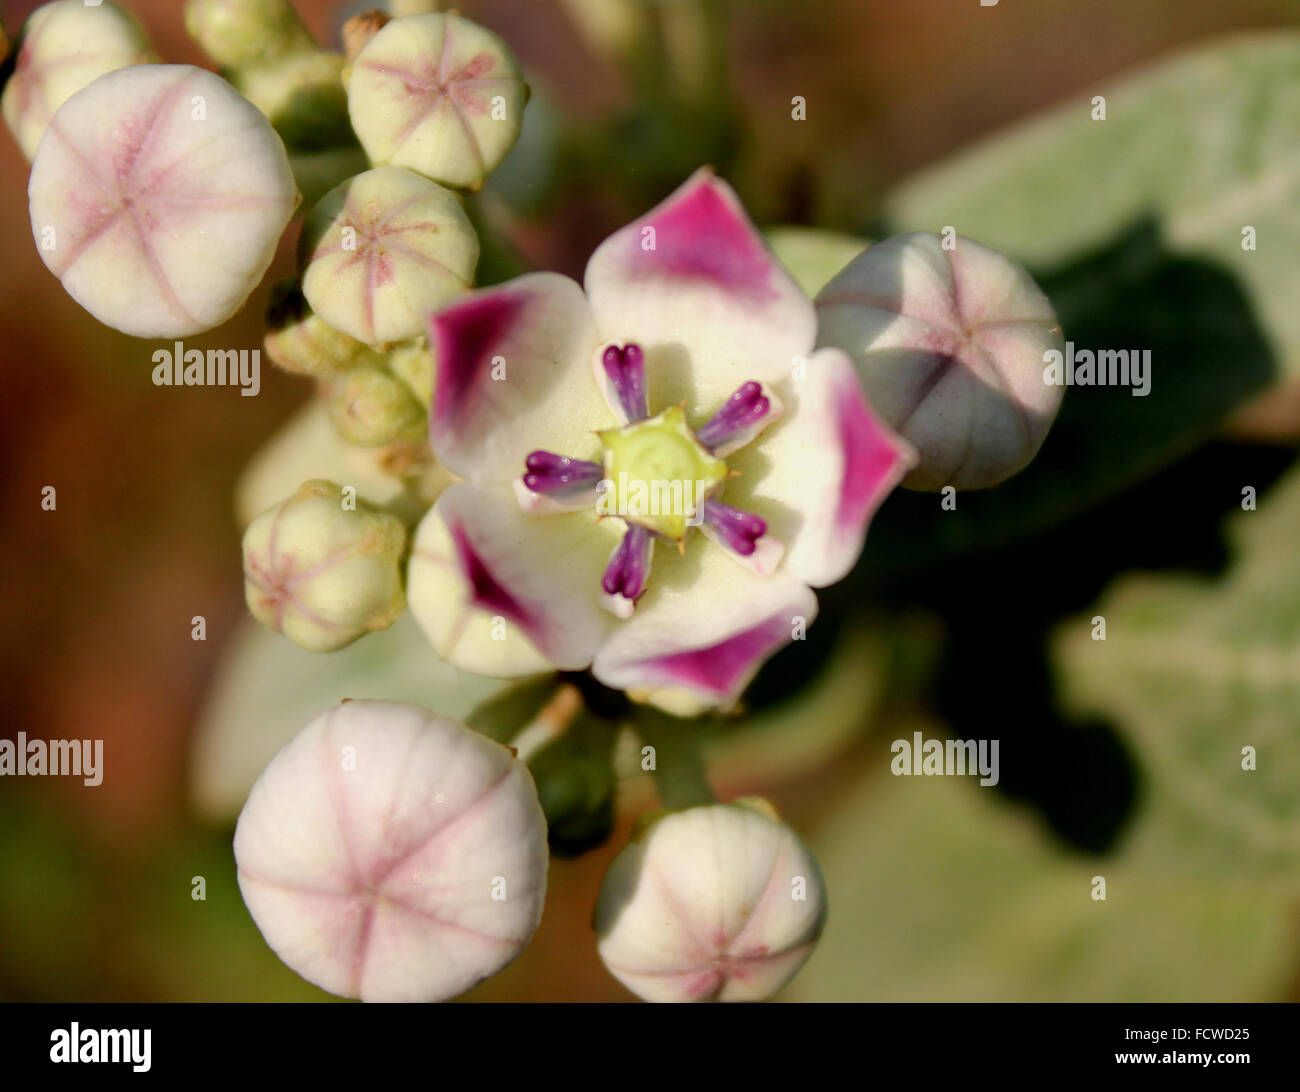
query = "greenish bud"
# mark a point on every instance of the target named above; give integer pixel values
(54, 61)
(371, 407)
(403, 479)
(413, 364)
(241, 33)
(300, 341)
(303, 97)
(324, 569)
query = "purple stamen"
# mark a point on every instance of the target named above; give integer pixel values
(741, 412)
(739, 531)
(625, 370)
(629, 565)
(559, 476)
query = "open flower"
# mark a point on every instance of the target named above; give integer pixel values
(708, 410)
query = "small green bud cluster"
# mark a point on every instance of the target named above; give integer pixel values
(270, 57)
(382, 248)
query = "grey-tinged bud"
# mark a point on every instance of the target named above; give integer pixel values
(371, 407)
(949, 340)
(322, 568)
(438, 94)
(157, 197)
(391, 854)
(715, 903)
(243, 33)
(383, 250)
(62, 48)
(299, 340)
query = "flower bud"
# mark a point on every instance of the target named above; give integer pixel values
(721, 902)
(300, 341)
(157, 197)
(402, 479)
(240, 33)
(438, 94)
(390, 854)
(948, 337)
(303, 98)
(413, 364)
(371, 407)
(64, 47)
(322, 571)
(384, 249)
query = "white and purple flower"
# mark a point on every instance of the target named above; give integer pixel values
(706, 386)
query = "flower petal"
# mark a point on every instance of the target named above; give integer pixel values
(513, 376)
(500, 593)
(694, 285)
(820, 473)
(702, 630)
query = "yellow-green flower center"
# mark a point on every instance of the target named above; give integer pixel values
(657, 474)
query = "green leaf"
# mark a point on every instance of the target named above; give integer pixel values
(941, 891)
(1195, 671)
(1206, 142)
(268, 689)
(813, 255)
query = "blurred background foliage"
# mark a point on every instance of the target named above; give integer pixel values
(1120, 758)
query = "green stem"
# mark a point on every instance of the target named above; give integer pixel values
(681, 773)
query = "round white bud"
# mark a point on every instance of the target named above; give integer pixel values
(383, 250)
(438, 94)
(715, 903)
(157, 196)
(390, 854)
